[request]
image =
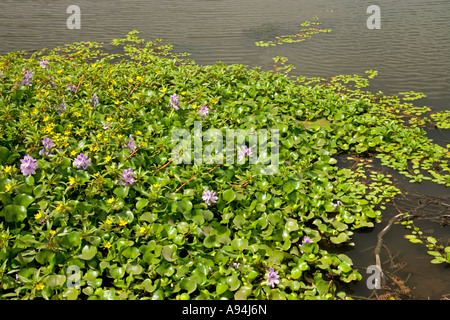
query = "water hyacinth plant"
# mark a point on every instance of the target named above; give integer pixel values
(110, 208)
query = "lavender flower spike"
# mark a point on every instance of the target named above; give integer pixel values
(28, 166)
(174, 102)
(48, 145)
(272, 277)
(127, 178)
(43, 64)
(82, 161)
(243, 152)
(94, 100)
(203, 111)
(131, 145)
(338, 203)
(27, 78)
(209, 196)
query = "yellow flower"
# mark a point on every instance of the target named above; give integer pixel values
(77, 114)
(74, 152)
(108, 221)
(37, 216)
(107, 158)
(142, 229)
(96, 174)
(39, 286)
(108, 119)
(99, 135)
(214, 101)
(122, 223)
(111, 200)
(113, 81)
(107, 245)
(183, 93)
(139, 78)
(59, 207)
(164, 90)
(8, 187)
(8, 169)
(194, 106)
(67, 132)
(138, 133)
(157, 71)
(71, 181)
(93, 149)
(130, 80)
(52, 232)
(155, 185)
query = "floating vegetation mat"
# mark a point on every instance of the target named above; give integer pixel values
(94, 203)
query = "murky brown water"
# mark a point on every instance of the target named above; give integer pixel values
(410, 52)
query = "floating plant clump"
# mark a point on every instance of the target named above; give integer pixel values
(127, 192)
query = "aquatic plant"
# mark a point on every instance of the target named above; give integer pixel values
(109, 215)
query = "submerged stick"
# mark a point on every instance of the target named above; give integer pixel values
(379, 243)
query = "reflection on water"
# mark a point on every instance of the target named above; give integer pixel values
(410, 51)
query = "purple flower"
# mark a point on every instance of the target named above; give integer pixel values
(235, 265)
(338, 203)
(43, 64)
(131, 145)
(27, 78)
(106, 125)
(243, 152)
(174, 102)
(305, 240)
(272, 277)
(209, 196)
(72, 88)
(94, 100)
(28, 166)
(82, 161)
(48, 145)
(61, 108)
(203, 111)
(127, 178)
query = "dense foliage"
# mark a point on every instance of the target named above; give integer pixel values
(92, 206)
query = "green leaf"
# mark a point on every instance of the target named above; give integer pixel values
(184, 206)
(45, 256)
(342, 237)
(4, 154)
(221, 288)
(141, 204)
(72, 239)
(117, 272)
(55, 280)
(291, 225)
(15, 213)
(88, 252)
(169, 252)
(121, 192)
(23, 200)
(131, 253)
(188, 284)
(229, 195)
(243, 293)
(239, 244)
